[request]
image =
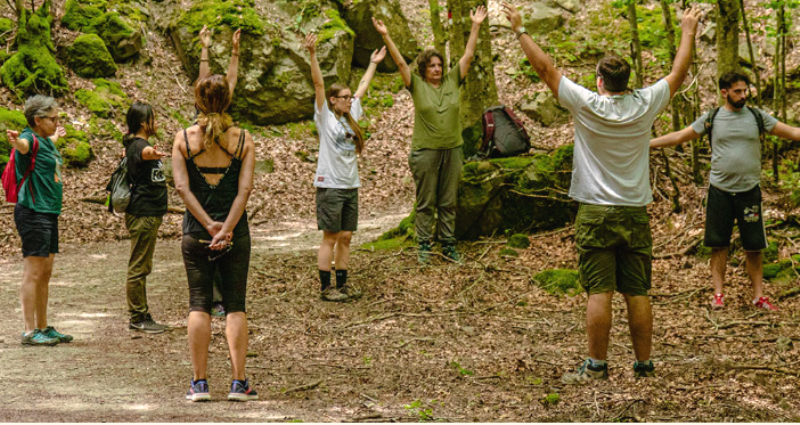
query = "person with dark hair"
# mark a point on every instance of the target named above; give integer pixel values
(734, 191)
(213, 163)
(611, 181)
(41, 193)
(336, 114)
(436, 154)
(145, 212)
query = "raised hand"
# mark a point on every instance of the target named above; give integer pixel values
(205, 37)
(478, 15)
(12, 137)
(512, 15)
(235, 41)
(378, 55)
(310, 43)
(60, 132)
(380, 27)
(690, 20)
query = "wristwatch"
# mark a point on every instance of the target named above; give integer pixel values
(521, 31)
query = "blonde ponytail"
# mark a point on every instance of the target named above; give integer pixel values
(213, 125)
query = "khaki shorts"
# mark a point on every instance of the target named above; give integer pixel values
(615, 249)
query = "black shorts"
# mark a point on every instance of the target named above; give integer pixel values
(337, 209)
(231, 266)
(723, 208)
(38, 231)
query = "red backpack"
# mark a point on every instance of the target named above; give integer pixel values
(10, 185)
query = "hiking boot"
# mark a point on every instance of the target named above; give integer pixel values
(218, 310)
(351, 291)
(450, 252)
(38, 338)
(424, 253)
(585, 373)
(763, 303)
(148, 326)
(718, 303)
(333, 294)
(51, 332)
(644, 369)
(198, 391)
(242, 391)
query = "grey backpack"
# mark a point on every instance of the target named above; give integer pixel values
(119, 189)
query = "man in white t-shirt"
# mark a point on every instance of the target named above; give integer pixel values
(610, 179)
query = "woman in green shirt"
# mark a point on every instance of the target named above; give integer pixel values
(36, 214)
(436, 153)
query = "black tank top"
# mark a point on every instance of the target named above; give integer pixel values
(217, 199)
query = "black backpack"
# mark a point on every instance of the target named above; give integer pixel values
(709, 124)
(503, 133)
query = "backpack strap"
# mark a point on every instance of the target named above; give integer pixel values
(34, 151)
(759, 120)
(709, 124)
(519, 124)
(488, 133)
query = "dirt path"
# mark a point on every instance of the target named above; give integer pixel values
(475, 342)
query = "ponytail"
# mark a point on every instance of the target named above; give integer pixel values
(212, 97)
(214, 125)
(138, 115)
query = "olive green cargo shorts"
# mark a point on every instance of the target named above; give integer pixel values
(615, 249)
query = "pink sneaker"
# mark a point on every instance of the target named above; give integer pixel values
(717, 303)
(764, 303)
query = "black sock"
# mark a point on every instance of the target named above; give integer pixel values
(325, 279)
(341, 278)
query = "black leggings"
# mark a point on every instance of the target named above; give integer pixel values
(202, 263)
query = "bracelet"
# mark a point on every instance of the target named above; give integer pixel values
(204, 60)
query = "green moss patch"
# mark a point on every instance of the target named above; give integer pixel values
(6, 26)
(104, 129)
(9, 120)
(332, 26)
(519, 241)
(405, 229)
(105, 100)
(89, 57)
(79, 14)
(508, 252)
(388, 244)
(559, 282)
(75, 148)
(120, 37)
(235, 14)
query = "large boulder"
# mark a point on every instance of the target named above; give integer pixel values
(120, 33)
(274, 83)
(359, 16)
(543, 108)
(539, 18)
(89, 58)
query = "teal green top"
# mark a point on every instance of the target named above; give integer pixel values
(45, 180)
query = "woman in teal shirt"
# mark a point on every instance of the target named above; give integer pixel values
(36, 214)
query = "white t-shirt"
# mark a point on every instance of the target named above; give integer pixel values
(337, 167)
(612, 143)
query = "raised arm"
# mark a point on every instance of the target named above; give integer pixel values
(785, 131)
(673, 139)
(375, 59)
(310, 44)
(684, 56)
(477, 18)
(181, 177)
(205, 41)
(152, 153)
(539, 60)
(405, 70)
(225, 234)
(21, 145)
(233, 67)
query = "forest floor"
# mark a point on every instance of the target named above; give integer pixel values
(447, 342)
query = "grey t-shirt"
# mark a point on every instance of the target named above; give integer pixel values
(337, 167)
(612, 143)
(735, 148)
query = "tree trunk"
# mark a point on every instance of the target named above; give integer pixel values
(480, 89)
(728, 37)
(636, 45)
(779, 96)
(676, 100)
(752, 55)
(439, 36)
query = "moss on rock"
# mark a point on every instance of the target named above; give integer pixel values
(508, 252)
(405, 229)
(79, 14)
(214, 13)
(9, 120)
(122, 40)
(519, 241)
(6, 26)
(75, 148)
(105, 100)
(89, 58)
(559, 282)
(332, 26)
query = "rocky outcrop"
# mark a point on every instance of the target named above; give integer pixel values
(358, 16)
(539, 18)
(121, 35)
(274, 83)
(544, 108)
(89, 58)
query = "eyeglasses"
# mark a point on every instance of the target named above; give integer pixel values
(53, 120)
(348, 97)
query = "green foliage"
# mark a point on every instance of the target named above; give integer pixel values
(461, 371)
(519, 241)
(235, 14)
(89, 58)
(552, 399)
(333, 25)
(559, 282)
(9, 120)
(423, 411)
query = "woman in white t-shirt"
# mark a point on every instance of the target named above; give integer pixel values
(336, 114)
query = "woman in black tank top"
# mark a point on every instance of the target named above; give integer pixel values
(213, 164)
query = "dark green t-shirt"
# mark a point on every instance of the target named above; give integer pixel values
(436, 112)
(45, 180)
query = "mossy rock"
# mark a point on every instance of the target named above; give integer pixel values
(75, 148)
(519, 241)
(559, 282)
(121, 39)
(134, 10)
(105, 100)
(333, 25)
(89, 57)
(9, 120)
(508, 252)
(104, 129)
(358, 16)
(33, 68)
(388, 244)
(770, 271)
(406, 228)
(234, 14)
(79, 14)
(6, 26)
(770, 254)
